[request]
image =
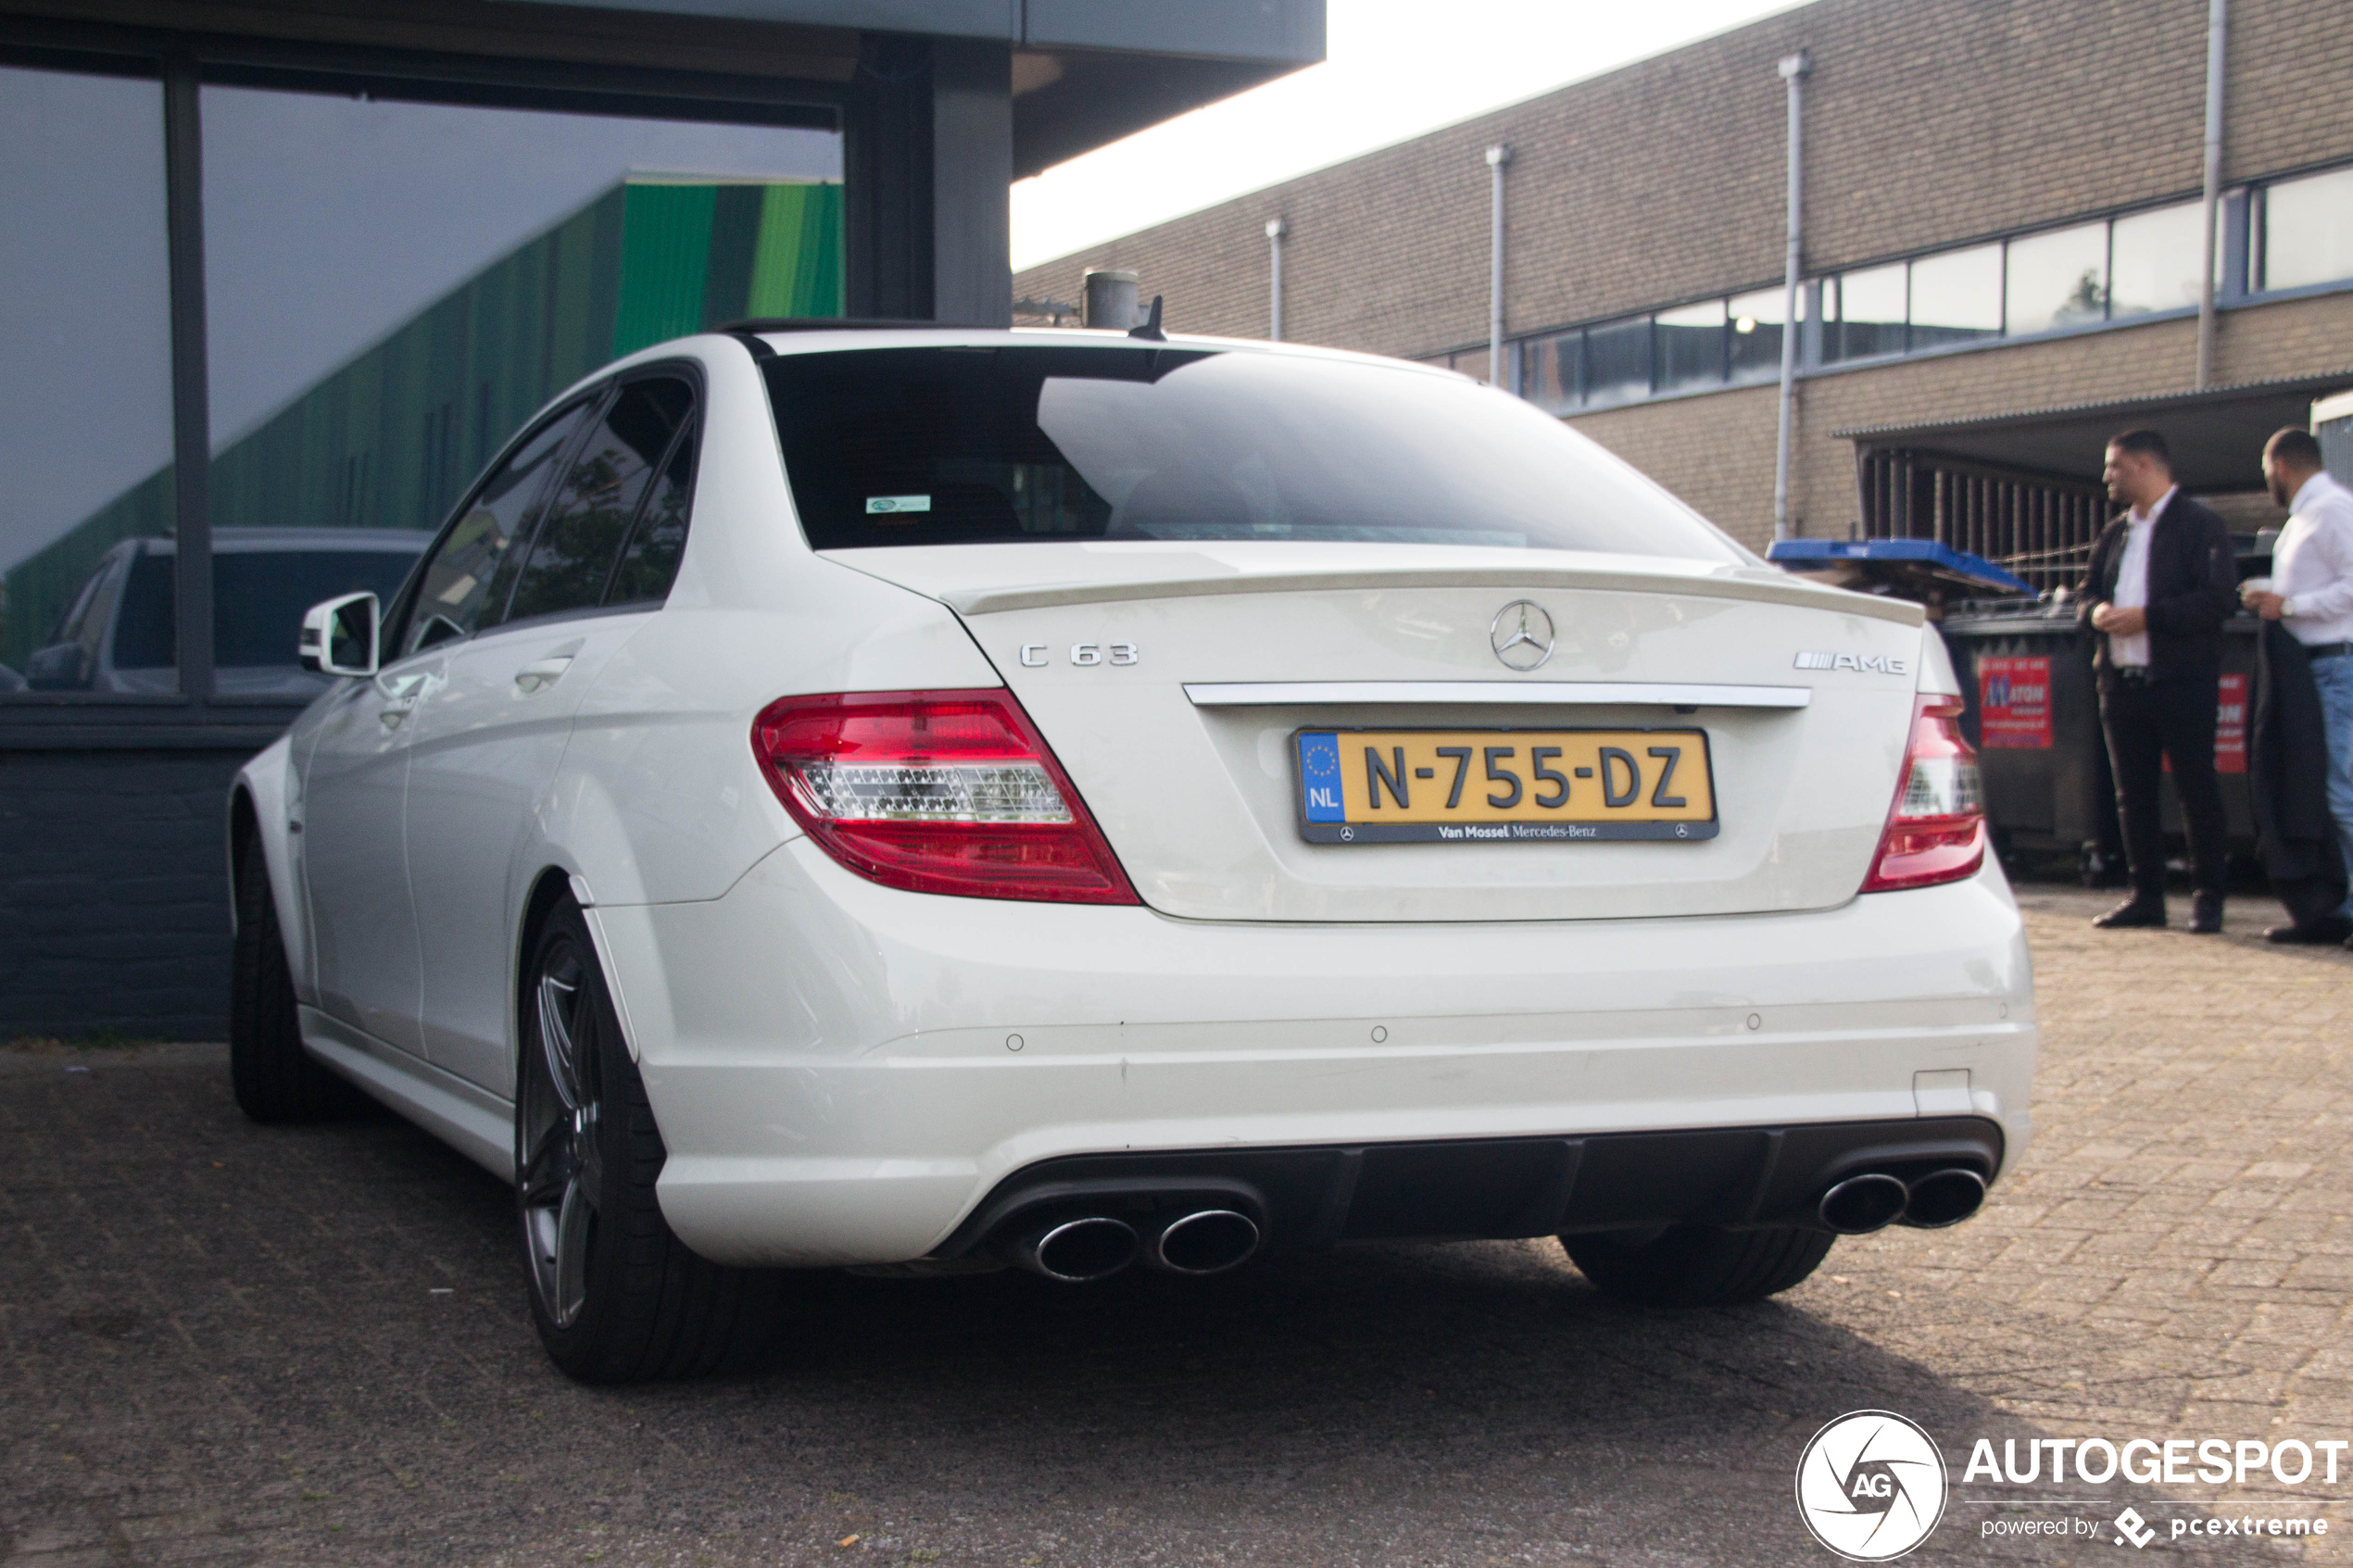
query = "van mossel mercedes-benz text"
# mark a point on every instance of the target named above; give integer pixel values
(953, 798)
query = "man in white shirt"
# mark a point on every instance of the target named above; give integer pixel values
(2311, 595)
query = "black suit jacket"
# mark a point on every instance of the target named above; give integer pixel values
(2193, 589)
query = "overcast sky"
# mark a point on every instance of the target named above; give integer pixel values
(1394, 68)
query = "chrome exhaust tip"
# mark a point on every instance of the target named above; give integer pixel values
(1860, 1205)
(1207, 1241)
(1945, 1197)
(1077, 1251)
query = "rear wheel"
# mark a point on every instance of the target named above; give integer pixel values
(617, 1296)
(274, 1078)
(1698, 1265)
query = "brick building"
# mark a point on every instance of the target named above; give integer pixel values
(2003, 230)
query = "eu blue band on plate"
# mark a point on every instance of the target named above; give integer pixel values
(1319, 776)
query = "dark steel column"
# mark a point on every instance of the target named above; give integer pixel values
(971, 160)
(191, 417)
(928, 161)
(886, 169)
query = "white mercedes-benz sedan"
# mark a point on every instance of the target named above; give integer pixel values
(942, 799)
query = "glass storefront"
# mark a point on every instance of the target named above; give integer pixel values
(85, 409)
(392, 289)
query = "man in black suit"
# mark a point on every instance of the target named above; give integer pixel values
(2162, 581)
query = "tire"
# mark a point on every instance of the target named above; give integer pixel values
(276, 1081)
(1699, 1265)
(616, 1296)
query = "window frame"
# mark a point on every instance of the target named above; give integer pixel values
(182, 61)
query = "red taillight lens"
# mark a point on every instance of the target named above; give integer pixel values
(1936, 831)
(937, 792)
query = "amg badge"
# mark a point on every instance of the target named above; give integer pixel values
(1874, 663)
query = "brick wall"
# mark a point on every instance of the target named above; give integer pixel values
(1929, 123)
(114, 904)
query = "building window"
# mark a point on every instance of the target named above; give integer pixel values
(2057, 280)
(1756, 351)
(2153, 261)
(1552, 372)
(2308, 231)
(1690, 349)
(1957, 298)
(1872, 308)
(85, 406)
(1617, 361)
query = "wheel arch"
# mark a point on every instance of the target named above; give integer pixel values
(258, 813)
(546, 890)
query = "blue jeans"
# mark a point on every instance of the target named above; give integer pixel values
(2334, 677)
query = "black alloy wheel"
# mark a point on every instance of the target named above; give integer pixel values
(275, 1080)
(1698, 1265)
(616, 1296)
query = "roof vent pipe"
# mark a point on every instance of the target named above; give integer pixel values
(1793, 70)
(1498, 159)
(1110, 299)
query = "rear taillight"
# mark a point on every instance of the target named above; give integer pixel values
(1936, 832)
(937, 792)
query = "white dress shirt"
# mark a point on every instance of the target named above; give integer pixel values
(2132, 582)
(2312, 563)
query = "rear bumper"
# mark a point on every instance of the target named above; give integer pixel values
(1495, 1189)
(844, 1074)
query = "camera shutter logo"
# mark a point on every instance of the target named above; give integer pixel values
(1871, 1485)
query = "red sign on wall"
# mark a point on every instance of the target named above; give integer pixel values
(2230, 726)
(2014, 703)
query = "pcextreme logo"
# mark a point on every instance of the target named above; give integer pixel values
(1870, 1486)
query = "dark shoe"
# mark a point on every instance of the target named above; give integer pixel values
(2132, 912)
(2205, 914)
(2320, 933)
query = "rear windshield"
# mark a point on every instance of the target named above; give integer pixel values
(973, 446)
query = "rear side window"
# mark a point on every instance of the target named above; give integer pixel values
(970, 444)
(650, 563)
(471, 573)
(589, 516)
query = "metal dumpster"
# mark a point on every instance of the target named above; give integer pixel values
(2032, 706)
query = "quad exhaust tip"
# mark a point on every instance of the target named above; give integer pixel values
(1076, 1251)
(1207, 1241)
(1874, 1201)
(1860, 1205)
(1093, 1246)
(1945, 1197)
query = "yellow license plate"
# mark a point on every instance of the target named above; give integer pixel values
(1488, 787)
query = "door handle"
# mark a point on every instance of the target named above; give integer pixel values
(546, 672)
(391, 717)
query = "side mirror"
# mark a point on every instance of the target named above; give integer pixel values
(339, 635)
(60, 667)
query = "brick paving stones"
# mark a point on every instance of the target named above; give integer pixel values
(222, 1343)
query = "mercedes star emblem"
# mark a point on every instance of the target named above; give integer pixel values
(1522, 635)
